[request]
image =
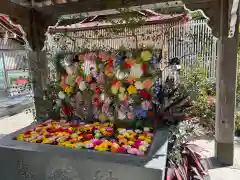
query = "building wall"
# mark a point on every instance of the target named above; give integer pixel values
(13, 63)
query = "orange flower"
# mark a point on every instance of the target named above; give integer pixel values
(63, 85)
(118, 84)
(147, 83)
(88, 78)
(108, 71)
(131, 79)
(81, 57)
(130, 61)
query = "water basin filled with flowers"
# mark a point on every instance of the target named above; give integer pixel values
(97, 136)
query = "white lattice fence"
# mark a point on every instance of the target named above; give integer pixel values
(193, 41)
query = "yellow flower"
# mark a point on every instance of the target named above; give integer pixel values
(148, 140)
(132, 89)
(20, 137)
(68, 90)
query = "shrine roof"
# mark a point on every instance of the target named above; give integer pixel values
(91, 22)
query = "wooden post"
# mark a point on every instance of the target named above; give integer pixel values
(38, 63)
(226, 87)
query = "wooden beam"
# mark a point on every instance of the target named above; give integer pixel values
(14, 10)
(226, 86)
(86, 6)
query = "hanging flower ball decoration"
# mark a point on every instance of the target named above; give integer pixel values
(113, 80)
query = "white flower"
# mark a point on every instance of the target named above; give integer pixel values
(120, 75)
(121, 115)
(136, 71)
(139, 85)
(102, 97)
(82, 86)
(61, 95)
(58, 102)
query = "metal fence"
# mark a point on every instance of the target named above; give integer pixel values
(193, 41)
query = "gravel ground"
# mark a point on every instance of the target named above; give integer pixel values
(14, 123)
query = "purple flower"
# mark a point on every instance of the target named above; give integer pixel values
(141, 113)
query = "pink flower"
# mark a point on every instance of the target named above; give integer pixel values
(133, 151)
(105, 108)
(96, 100)
(118, 84)
(210, 100)
(78, 79)
(93, 86)
(130, 115)
(100, 79)
(146, 105)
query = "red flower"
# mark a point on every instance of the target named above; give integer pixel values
(98, 91)
(110, 62)
(127, 66)
(150, 113)
(145, 94)
(144, 67)
(96, 100)
(67, 110)
(114, 82)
